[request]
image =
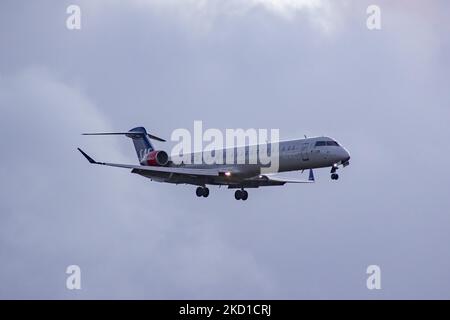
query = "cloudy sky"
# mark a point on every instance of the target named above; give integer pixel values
(303, 66)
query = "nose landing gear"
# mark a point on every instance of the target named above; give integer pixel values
(241, 195)
(202, 192)
(334, 175)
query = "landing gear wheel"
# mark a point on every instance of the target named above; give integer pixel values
(241, 195)
(334, 176)
(199, 192)
(205, 192)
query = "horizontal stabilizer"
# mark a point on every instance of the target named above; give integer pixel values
(128, 134)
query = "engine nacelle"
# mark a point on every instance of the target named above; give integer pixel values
(156, 158)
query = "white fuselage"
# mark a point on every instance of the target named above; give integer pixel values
(293, 155)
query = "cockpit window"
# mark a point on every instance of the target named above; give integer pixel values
(326, 143)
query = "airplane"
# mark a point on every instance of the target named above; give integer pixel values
(294, 155)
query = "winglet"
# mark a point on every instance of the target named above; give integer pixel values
(311, 175)
(86, 156)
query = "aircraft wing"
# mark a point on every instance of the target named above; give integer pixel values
(187, 171)
(262, 180)
(285, 180)
(279, 179)
(272, 179)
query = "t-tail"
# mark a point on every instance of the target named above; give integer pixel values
(141, 140)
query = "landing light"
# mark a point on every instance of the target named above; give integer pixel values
(228, 173)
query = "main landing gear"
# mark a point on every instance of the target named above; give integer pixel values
(238, 195)
(202, 192)
(241, 195)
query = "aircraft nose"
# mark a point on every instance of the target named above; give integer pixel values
(345, 155)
